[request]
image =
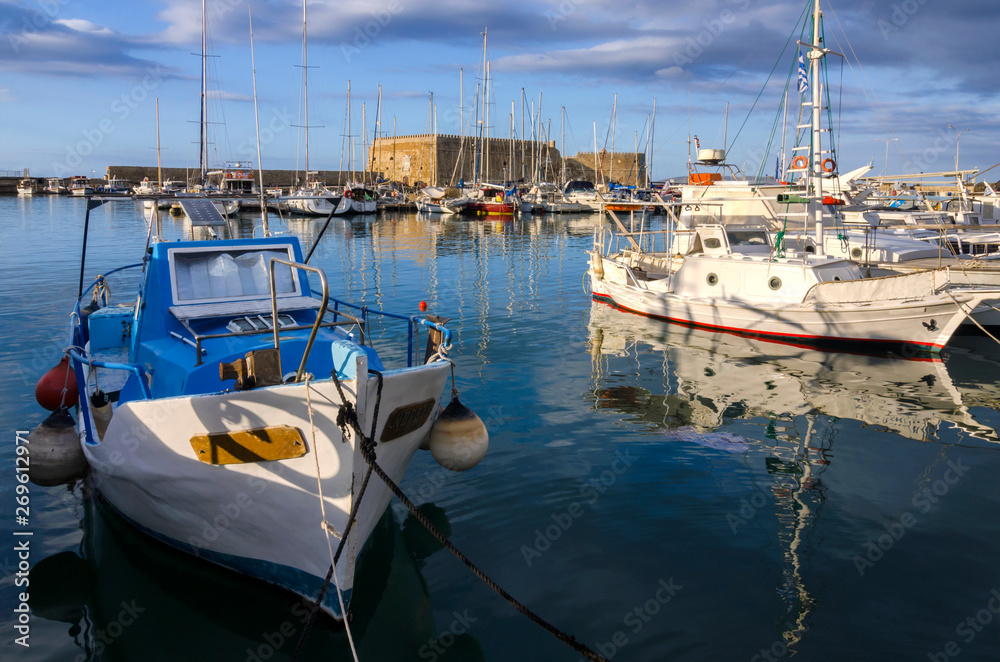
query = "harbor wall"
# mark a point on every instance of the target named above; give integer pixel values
(272, 178)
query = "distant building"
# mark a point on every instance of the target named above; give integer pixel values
(445, 159)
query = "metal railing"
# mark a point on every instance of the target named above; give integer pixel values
(319, 315)
(413, 326)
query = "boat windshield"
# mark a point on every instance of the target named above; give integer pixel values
(219, 274)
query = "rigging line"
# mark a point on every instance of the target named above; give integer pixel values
(764, 86)
(777, 118)
(877, 105)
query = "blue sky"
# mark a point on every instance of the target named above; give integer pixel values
(80, 77)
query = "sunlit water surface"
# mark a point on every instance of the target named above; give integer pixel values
(661, 494)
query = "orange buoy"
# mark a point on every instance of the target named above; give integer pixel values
(49, 390)
(423, 306)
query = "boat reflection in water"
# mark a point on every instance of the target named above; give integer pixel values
(709, 377)
(687, 384)
(125, 590)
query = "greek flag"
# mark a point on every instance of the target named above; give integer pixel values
(803, 74)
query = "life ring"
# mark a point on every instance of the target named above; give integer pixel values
(828, 165)
(799, 162)
(239, 175)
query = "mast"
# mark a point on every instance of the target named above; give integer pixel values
(202, 139)
(538, 141)
(256, 122)
(510, 159)
(652, 147)
(614, 123)
(461, 122)
(486, 123)
(482, 125)
(562, 150)
(305, 85)
(595, 151)
(350, 138)
(522, 134)
(432, 110)
(159, 169)
(364, 141)
(816, 54)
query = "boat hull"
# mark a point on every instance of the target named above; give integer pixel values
(261, 518)
(830, 316)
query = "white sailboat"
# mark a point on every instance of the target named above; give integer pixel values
(313, 198)
(792, 295)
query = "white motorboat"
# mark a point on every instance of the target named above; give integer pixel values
(779, 292)
(80, 186)
(27, 186)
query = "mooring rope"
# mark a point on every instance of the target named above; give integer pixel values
(367, 447)
(327, 527)
(347, 418)
(968, 316)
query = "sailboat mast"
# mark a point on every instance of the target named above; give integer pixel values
(538, 141)
(364, 141)
(482, 123)
(816, 54)
(614, 123)
(595, 152)
(350, 139)
(562, 150)
(378, 132)
(256, 122)
(202, 139)
(305, 84)
(159, 169)
(652, 147)
(523, 136)
(461, 121)
(486, 122)
(510, 158)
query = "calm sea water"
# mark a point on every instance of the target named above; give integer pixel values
(659, 493)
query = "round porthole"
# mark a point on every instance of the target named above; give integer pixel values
(856, 253)
(774, 283)
(712, 279)
(810, 249)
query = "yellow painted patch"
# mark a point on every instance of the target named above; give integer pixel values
(280, 442)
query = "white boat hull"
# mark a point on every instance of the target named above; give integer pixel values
(900, 310)
(354, 206)
(260, 518)
(311, 205)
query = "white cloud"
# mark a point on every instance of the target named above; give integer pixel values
(83, 25)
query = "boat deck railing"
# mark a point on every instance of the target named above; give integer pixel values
(414, 322)
(608, 241)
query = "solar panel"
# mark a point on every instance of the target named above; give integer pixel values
(202, 212)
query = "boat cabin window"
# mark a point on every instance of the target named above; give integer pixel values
(226, 274)
(747, 237)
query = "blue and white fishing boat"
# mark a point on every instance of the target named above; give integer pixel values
(231, 411)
